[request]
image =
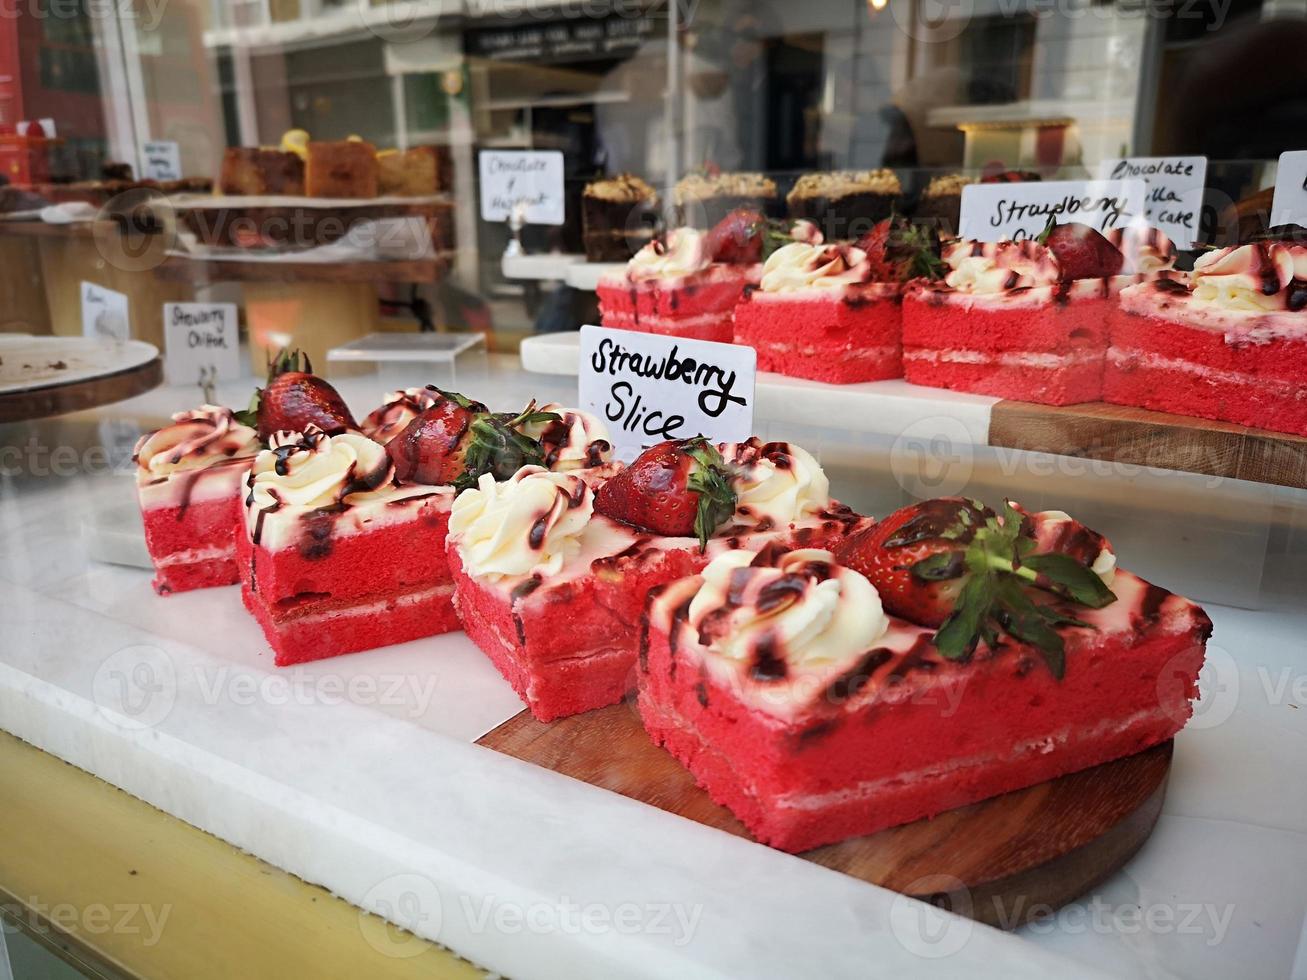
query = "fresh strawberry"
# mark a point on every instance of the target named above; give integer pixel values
(295, 398)
(737, 239)
(678, 488)
(899, 250)
(1081, 251)
(954, 564)
(456, 440)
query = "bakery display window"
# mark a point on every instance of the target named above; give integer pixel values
(653, 487)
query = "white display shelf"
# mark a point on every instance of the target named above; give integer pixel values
(378, 794)
(586, 275)
(893, 408)
(552, 266)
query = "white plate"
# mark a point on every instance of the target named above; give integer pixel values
(30, 363)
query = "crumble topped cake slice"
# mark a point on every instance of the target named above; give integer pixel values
(1231, 347)
(190, 479)
(551, 574)
(819, 706)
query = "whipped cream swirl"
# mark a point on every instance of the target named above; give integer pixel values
(530, 524)
(1146, 249)
(195, 439)
(999, 267)
(1265, 277)
(312, 470)
(776, 483)
(576, 441)
(682, 253)
(775, 611)
(800, 265)
(1057, 531)
(397, 410)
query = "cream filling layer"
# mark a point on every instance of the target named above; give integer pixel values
(859, 352)
(1030, 359)
(377, 606)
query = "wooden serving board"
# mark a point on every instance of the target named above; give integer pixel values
(1015, 855)
(1139, 437)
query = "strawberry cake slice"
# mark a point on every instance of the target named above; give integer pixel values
(1232, 347)
(1021, 319)
(832, 312)
(551, 574)
(190, 478)
(687, 283)
(336, 555)
(820, 703)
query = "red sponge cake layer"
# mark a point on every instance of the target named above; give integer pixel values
(697, 306)
(1165, 364)
(837, 337)
(339, 582)
(811, 753)
(1024, 344)
(194, 547)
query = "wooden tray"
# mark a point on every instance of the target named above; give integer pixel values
(1002, 861)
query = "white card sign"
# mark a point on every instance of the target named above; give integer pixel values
(532, 179)
(163, 160)
(1289, 206)
(105, 313)
(202, 342)
(647, 387)
(1174, 199)
(992, 212)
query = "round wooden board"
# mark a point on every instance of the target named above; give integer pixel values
(87, 386)
(1002, 861)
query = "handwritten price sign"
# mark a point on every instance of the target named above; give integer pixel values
(648, 387)
(529, 179)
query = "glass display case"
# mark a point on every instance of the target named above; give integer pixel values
(339, 345)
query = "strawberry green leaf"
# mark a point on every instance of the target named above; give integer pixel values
(1022, 618)
(710, 481)
(495, 447)
(1071, 578)
(250, 414)
(957, 636)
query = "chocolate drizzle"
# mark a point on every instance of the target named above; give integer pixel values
(848, 684)
(768, 663)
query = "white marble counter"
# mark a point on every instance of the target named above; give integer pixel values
(357, 773)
